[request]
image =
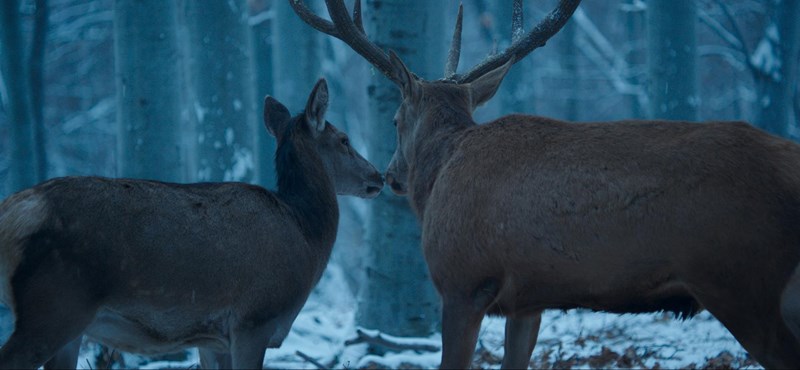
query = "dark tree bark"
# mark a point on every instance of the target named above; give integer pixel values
(398, 298)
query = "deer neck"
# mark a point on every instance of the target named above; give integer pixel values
(305, 187)
(437, 136)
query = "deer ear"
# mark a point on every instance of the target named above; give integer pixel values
(484, 88)
(316, 107)
(276, 116)
(409, 85)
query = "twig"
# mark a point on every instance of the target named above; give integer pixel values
(311, 360)
(379, 340)
(737, 33)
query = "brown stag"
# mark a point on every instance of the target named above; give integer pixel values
(154, 267)
(529, 213)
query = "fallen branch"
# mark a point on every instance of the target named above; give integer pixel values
(311, 360)
(379, 340)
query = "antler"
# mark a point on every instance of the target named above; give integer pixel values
(351, 31)
(521, 45)
(455, 46)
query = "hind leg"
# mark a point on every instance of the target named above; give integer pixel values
(521, 335)
(67, 357)
(54, 307)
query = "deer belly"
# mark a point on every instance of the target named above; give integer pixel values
(156, 333)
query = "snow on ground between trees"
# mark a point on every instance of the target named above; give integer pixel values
(571, 339)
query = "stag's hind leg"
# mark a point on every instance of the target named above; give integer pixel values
(521, 335)
(66, 357)
(755, 321)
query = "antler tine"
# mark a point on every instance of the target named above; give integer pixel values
(312, 19)
(516, 21)
(357, 16)
(455, 46)
(535, 38)
(347, 30)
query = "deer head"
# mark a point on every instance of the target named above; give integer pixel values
(350, 172)
(461, 93)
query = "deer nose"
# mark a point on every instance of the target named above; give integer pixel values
(397, 187)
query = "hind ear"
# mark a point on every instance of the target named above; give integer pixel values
(276, 116)
(316, 107)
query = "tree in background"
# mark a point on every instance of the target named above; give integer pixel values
(262, 14)
(671, 59)
(774, 64)
(148, 90)
(22, 73)
(297, 56)
(398, 297)
(222, 90)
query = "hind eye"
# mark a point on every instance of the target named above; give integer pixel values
(345, 141)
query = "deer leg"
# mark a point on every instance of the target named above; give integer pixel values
(755, 321)
(214, 360)
(66, 357)
(521, 334)
(247, 348)
(461, 321)
(54, 307)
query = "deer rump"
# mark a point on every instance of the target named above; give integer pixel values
(164, 264)
(624, 217)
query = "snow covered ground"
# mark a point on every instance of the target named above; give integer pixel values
(572, 339)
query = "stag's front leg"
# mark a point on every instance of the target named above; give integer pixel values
(247, 348)
(461, 322)
(521, 335)
(213, 360)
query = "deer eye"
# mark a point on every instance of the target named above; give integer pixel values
(345, 141)
(394, 122)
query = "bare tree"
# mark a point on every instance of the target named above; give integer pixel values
(148, 114)
(671, 58)
(222, 100)
(22, 157)
(398, 297)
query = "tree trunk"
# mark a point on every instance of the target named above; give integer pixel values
(671, 59)
(148, 90)
(775, 61)
(36, 62)
(22, 155)
(297, 56)
(261, 27)
(398, 298)
(220, 74)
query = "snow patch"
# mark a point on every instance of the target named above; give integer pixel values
(243, 163)
(229, 136)
(766, 57)
(200, 112)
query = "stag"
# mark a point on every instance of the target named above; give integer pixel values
(529, 213)
(154, 267)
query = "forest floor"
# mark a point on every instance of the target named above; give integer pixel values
(322, 333)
